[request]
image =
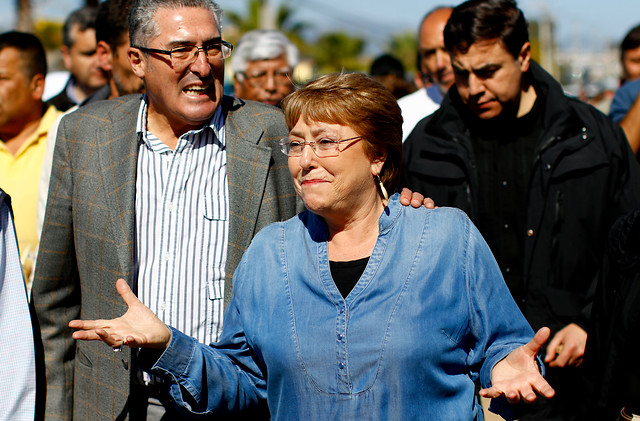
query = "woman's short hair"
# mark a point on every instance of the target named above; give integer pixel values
(357, 101)
(486, 20)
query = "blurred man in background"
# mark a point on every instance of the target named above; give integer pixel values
(79, 55)
(435, 68)
(24, 124)
(263, 63)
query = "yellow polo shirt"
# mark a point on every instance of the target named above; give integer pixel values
(20, 178)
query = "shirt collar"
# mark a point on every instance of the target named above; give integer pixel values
(44, 125)
(216, 123)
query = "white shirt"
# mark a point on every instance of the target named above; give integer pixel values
(415, 107)
(182, 224)
(18, 367)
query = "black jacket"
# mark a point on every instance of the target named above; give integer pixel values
(583, 177)
(611, 358)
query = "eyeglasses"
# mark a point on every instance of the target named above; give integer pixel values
(186, 55)
(323, 148)
(260, 79)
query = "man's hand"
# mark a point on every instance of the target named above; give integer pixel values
(567, 347)
(415, 199)
(517, 376)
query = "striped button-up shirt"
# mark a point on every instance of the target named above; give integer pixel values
(182, 226)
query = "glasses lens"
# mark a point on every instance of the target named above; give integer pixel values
(187, 54)
(183, 53)
(260, 79)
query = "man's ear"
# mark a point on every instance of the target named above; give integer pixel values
(238, 87)
(37, 86)
(524, 57)
(105, 56)
(66, 57)
(137, 61)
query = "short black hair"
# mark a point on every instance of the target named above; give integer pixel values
(485, 20)
(631, 40)
(387, 64)
(112, 22)
(85, 18)
(34, 58)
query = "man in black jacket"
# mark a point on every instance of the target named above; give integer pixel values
(542, 175)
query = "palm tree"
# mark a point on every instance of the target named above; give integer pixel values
(257, 14)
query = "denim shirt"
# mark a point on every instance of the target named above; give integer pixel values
(429, 316)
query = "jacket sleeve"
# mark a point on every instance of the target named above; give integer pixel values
(56, 289)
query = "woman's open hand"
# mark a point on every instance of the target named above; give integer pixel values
(138, 327)
(517, 376)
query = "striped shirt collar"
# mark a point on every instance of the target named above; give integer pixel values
(216, 123)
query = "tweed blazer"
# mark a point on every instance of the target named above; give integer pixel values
(89, 236)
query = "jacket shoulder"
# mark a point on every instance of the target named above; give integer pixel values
(106, 110)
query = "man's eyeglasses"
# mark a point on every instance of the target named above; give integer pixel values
(186, 55)
(323, 148)
(261, 79)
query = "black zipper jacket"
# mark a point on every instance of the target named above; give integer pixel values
(583, 177)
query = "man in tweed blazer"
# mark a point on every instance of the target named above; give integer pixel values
(89, 237)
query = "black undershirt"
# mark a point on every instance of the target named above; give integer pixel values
(347, 274)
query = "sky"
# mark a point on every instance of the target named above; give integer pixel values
(589, 25)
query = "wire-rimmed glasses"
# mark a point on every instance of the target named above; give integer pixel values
(323, 148)
(185, 55)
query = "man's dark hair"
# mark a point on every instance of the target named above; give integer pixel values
(485, 20)
(387, 64)
(631, 40)
(112, 22)
(34, 59)
(84, 17)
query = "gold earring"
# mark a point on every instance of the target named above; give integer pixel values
(385, 196)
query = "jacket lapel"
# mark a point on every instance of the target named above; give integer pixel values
(118, 149)
(247, 169)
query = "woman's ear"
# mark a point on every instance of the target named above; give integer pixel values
(376, 166)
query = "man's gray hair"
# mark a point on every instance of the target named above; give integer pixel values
(262, 44)
(142, 25)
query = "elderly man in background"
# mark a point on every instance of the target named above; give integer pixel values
(263, 63)
(435, 68)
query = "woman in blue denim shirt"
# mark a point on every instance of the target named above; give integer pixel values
(359, 308)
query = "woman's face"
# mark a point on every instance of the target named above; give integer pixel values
(337, 185)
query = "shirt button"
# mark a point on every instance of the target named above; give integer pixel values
(530, 233)
(166, 256)
(506, 226)
(505, 184)
(341, 366)
(341, 309)
(171, 206)
(339, 337)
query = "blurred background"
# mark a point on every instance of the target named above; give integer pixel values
(576, 40)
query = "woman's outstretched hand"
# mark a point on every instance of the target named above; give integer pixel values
(517, 376)
(138, 327)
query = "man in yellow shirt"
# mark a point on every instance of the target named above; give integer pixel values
(24, 123)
